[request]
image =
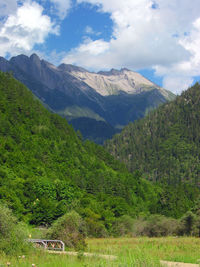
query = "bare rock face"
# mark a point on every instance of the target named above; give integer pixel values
(111, 99)
(114, 82)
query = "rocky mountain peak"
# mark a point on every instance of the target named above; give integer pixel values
(115, 81)
(110, 72)
(34, 57)
(124, 69)
(19, 59)
(71, 68)
(114, 72)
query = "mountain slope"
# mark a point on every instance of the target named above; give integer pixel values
(46, 170)
(115, 97)
(166, 143)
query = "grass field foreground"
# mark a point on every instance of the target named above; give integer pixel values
(131, 252)
(182, 249)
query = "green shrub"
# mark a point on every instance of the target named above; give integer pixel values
(12, 233)
(188, 222)
(70, 229)
(123, 226)
(95, 228)
(155, 226)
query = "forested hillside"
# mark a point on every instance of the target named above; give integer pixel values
(165, 145)
(46, 169)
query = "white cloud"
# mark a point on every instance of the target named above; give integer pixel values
(7, 7)
(89, 30)
(179, 76)
(24, 28)
(177, 83)
(90, 52)
(93, 47)
(165, 37)
(61, 7)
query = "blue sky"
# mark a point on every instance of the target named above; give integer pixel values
(83, 21)
(160, 38)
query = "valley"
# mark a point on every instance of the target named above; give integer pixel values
(75, 189)
(99, 133)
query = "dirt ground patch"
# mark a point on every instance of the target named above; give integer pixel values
(178, 264)
(73, 253)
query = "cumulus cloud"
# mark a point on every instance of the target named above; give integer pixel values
(61, 7)
(160, 34)
(90, 51)
(179, 76)
(24, 28)
(7, 7)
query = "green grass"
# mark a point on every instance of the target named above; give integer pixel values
(42, 259)
(73, 112)
(131, 252)
(183, 249)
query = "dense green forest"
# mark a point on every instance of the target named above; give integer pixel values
(47, 170)
(165, 145)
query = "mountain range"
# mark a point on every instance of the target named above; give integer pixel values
(98, 104)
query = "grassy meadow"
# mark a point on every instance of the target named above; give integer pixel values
(130, 252)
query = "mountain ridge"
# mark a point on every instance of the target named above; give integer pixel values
(114, 99)
(132, 82)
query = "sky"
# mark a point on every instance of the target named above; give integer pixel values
(158, 38)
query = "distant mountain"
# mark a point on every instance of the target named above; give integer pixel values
(165, 144)
(114, 82)
(111, 99)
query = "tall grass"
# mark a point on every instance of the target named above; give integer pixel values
(131, 252)
(183, 249)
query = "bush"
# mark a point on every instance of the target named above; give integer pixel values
(188, 223)
(155, 226)
(197, 225)
(123, 226)
(95, 228)
(94, 225)
(12, 233)
(70, 229)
